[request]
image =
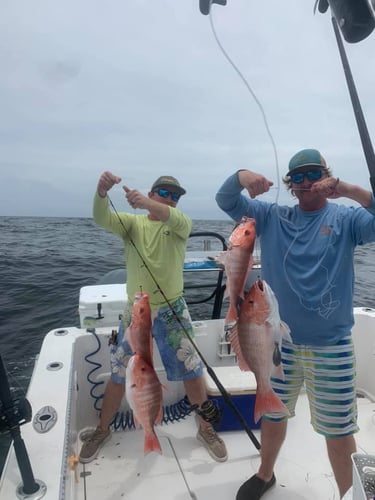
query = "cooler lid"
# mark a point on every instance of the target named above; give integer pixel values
(102, 294)
(235, 381)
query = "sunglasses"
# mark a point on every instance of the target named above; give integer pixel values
(164, 193)
(312, 175)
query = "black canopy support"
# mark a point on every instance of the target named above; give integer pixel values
(360, 119)
(205, 5)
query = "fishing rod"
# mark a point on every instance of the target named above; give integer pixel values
(210, 371)
(13, 414)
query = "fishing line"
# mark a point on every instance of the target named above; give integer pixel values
(210, 371)
(253, 95)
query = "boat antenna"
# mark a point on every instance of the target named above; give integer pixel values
(13, 414)
(210, 371)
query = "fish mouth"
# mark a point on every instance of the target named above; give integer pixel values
(260, 285)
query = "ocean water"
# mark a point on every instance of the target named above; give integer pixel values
(45, 261)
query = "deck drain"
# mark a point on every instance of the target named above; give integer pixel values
(45, 419)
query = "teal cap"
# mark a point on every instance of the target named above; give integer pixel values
(305, 158)
(168, 181)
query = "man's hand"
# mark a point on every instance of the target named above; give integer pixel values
(136, 199)
(106, 182)
(332, 187)
(255, 184)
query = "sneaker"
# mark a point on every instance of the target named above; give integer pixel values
(254, 488)
(92, 445)
(215, 445)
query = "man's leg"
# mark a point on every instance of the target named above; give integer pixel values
(181, 362)
(333, 405)
(271, 438)
(112, 398)
(197, 394)
(113, 395)
(339, 453)
(196, 390)
(111, 401)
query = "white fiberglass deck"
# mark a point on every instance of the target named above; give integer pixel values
(185, 470)
(70, 357)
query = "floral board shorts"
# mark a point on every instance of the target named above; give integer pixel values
(328, 374)
(180, 360)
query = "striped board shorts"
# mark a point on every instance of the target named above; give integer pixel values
(328, 373)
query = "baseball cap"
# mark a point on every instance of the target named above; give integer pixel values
(168, 181)
(305, 158)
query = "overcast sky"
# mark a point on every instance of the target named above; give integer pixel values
(141, 88)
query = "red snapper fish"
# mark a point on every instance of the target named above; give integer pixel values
(238, 261)
(256, 340)
(139, 331)
(144, 395)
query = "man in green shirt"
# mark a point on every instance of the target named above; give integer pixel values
(158, 239)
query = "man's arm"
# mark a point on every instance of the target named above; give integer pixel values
(138, 200)
(334, 188)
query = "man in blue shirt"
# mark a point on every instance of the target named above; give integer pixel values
(307, 254)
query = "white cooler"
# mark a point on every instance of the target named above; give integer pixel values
(101, 305)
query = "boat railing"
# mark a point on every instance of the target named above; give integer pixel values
(201, 258)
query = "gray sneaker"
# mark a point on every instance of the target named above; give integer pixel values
(92, 445)
(215, 445)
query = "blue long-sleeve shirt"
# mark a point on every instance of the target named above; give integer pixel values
(307, 259)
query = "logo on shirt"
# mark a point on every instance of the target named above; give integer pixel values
(166, 232)
(326, 230)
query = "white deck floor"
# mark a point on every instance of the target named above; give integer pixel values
(185, 470)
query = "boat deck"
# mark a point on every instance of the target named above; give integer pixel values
(185, 470)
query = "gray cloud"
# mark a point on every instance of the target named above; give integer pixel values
(142, 88)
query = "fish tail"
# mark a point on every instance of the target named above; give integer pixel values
(268, 402)
(151, 443)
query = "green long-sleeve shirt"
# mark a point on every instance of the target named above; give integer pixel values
(162, 246)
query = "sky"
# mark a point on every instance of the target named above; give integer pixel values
(141, 88)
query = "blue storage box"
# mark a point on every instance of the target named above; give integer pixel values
(241, 386)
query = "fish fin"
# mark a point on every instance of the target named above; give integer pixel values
(268, 402)
(151, 443)
(231, 316)
(251, 263)
(239, 302)
(128, 338)
(276, 355)
(137, 424)
(235, 343)
(221, 258)
(159, 417)
(151, 351)
(278, 372)
(285, 331)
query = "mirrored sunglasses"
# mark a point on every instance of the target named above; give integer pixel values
(164, 193)
(312, 175)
